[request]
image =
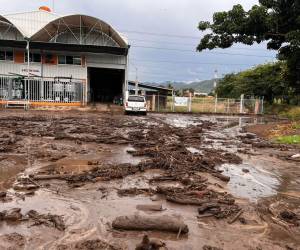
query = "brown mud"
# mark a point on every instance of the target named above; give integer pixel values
(65, 177)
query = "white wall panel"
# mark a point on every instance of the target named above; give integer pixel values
(9, 67)
(74, 71)
(47, 70)
(106, 61)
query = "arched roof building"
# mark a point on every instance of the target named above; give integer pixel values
(75, 46)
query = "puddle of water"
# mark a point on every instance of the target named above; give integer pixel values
(111, 154)
(181, 121)
(9, 168)
(255, 184)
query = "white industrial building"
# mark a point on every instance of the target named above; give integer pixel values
(73, 59)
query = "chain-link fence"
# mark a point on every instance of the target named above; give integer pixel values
(163, 103)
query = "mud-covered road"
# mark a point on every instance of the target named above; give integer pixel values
(67, 179)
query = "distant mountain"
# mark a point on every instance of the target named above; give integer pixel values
(205, 86)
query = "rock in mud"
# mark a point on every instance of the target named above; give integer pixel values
(148, 244)
(3, 195)
(150, 223)
(206, 247)
(289, 216)
(221, 177)
(13, 214)
(245, 170)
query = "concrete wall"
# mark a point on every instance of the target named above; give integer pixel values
(76, 71)
(44, 70)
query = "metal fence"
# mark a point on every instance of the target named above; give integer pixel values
(161, 103)
(41, 89)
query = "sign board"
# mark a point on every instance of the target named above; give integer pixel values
(34, 70)
(181, 101)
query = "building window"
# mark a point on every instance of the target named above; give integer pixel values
(9, 55)
(61, 60)
(33, 57)
(6, 55)
(77, 60)
(70, 60)
(49, 59)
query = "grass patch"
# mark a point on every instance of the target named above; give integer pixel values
(289, 139)
(284, 111)
(296, 125)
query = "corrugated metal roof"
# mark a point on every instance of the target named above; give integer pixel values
(33, 24)
(28, 23)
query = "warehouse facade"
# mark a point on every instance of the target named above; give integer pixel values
(46, 59)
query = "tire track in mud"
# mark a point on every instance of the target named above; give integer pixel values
(79, 223)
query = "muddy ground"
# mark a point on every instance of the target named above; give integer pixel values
(185, 181)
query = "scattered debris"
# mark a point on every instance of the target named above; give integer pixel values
(49, 220)
(151, 207)
(148, 244)
(206, 247)
(235, 217)
(135, 191)
(289, 217)
(13, 214)
(96, 244)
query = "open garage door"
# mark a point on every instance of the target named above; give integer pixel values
(106, 85)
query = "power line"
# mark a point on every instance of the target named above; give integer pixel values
(192, 62)
(191, 44)
(159, 34)
(208, 52)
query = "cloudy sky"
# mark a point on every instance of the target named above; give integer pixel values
(163, 35)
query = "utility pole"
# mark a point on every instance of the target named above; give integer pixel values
(215, 78)
(136, 81)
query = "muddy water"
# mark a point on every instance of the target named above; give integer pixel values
(89, 210)
(10, 166)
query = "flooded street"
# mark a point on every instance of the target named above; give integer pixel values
(80, 172)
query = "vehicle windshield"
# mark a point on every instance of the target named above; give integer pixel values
(136, 99)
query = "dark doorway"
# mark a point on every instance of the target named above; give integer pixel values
(106, 85)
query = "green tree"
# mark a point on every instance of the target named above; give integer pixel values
(274, 21)
(266, 80)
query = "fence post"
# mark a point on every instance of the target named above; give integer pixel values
(242, 104)
(228, 104)
(173, 101)
(216, 103)
(256, 107)
(190, 102)
(158, 102)
(153, 102)
(262, 105)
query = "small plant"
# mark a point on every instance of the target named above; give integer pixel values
(289, 139)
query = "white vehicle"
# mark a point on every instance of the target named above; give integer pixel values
(136, 104)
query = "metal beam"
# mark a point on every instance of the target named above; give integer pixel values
(70, 30)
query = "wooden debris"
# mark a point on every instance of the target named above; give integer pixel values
(146, 223)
